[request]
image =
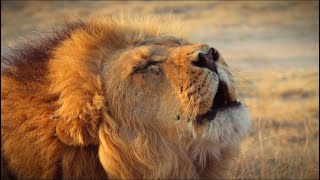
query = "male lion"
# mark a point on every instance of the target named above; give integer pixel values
(118, 98)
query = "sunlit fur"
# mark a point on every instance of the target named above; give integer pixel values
(91, 109)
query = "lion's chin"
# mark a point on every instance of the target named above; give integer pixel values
(229, 124)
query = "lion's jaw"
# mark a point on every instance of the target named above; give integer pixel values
(155, 101)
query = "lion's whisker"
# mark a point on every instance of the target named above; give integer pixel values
(194, 111)
(234, 74)
(184, 115)
(176, 109)
(212, 90)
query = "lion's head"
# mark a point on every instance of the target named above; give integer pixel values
(156, 104)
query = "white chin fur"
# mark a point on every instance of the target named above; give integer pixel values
(228, 126)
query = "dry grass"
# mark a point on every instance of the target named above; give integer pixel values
(284, 140)
(274, 48)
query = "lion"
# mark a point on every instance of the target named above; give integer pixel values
(119, 98)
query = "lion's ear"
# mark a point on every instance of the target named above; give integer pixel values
(76, 79)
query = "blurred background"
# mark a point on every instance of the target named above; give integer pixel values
(272, 48)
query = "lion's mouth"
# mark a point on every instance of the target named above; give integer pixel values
(221, 102)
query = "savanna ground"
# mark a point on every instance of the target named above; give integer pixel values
(272, 48)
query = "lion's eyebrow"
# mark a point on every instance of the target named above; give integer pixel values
(163, 39)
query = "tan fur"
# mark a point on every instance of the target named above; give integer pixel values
(89, 112)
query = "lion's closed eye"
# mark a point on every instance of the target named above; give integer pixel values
(150, 66)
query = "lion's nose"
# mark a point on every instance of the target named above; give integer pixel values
(208, 60)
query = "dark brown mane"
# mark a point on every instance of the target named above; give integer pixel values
(28, 60)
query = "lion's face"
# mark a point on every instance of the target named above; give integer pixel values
(167, 81)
